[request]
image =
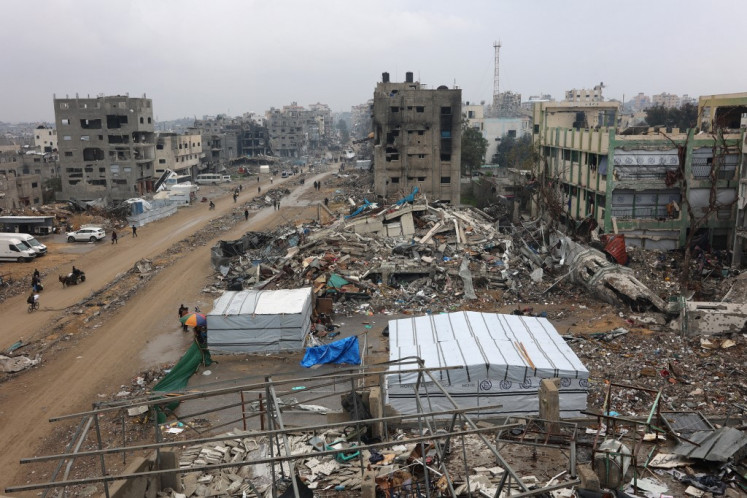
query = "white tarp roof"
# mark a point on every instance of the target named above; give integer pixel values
(503, 358)
(260, 321)
(499, 346)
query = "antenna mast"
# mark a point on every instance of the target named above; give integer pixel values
(497, 48)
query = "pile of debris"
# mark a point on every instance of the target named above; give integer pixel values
(412, 257)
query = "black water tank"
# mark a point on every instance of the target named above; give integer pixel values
(408, 77)
(385, 77)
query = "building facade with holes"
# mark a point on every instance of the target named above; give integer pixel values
(630, 180)
(106, 147)
(417, 140)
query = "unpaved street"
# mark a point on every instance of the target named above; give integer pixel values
(140, 334)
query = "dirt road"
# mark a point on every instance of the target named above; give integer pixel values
(142, 333)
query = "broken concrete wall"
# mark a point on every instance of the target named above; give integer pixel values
(707, 318)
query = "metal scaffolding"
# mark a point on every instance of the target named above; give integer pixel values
(437, 431)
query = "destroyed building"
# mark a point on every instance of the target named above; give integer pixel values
(417, 140)
(179, 153)
(294, 129)
(107, 147)
(632, 181)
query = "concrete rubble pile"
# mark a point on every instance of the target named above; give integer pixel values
(418, 257)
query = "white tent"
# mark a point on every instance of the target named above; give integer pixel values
(259, 321)
(503, 360)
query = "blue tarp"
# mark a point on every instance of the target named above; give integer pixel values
(360, 209)
(342, 351)
(410, 198)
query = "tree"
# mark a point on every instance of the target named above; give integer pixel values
(474, 146)
(683, 117)
(516, 153)
(342, 127)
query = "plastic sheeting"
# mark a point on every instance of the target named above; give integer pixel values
(178, 377)
(343, 351)
(254, 321)
(503, 360)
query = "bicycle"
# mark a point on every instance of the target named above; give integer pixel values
(33, 306)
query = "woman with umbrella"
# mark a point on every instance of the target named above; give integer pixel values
(199, 322)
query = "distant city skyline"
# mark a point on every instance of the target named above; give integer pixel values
(230, 57)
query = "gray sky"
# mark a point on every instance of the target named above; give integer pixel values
(218, 56)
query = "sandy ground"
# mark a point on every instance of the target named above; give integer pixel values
(108, 352)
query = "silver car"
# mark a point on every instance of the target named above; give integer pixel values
(89, 234)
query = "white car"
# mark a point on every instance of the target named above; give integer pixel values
(90, 234)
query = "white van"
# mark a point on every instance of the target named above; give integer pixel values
(15, 250)
(39, 248)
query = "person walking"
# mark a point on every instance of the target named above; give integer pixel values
(134, 231)
(278, 204)
(257, 179)
(259, 189)
(114, 237)
(326, 201)
(183, 310)
(35, 282)
(246, 215)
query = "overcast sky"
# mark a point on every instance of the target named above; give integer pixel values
(214, 56)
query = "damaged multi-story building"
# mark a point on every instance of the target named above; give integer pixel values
(179, 153)
(107, 147)
(633, 181)
(417, 139)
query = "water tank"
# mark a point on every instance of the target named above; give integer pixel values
(408, 77)
(385, 77)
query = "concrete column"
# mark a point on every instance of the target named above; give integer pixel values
(376, 407)
(368, 484)
(549, 402)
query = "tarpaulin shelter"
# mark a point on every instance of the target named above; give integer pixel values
(503, 358)
(254, 321)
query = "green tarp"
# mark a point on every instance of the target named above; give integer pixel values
(178, 377)
(336, 281)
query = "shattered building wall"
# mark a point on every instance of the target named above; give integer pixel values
(417, 140)
(629, 182)
(106, 146)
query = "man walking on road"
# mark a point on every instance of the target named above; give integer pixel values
(114, 237)
(246, 215)
(134, 231)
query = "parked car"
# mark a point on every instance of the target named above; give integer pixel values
(88, 234)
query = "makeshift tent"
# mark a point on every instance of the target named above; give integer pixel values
(503, 360)
(254, 321)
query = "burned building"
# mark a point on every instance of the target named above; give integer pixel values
(417, 139)
(107, 146)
